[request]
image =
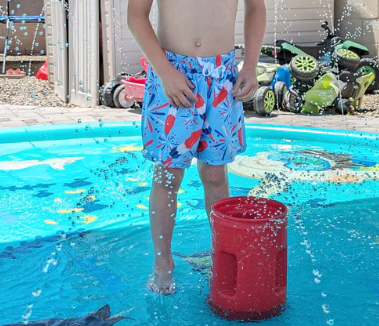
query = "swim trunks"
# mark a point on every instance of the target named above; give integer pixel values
(212, 131)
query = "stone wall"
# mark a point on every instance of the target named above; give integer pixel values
(358, 20)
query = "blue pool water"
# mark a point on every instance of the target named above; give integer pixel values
(74, 224)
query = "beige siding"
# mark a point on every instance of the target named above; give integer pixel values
(83, 52)
(358, 21)
(297, 20)
(49, 42)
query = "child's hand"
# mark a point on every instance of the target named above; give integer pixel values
(246, 84)
(176, 87)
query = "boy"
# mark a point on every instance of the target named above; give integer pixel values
(193, 103)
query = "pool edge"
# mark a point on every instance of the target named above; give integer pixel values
(133, 128)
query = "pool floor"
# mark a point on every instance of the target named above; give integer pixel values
(74, 231)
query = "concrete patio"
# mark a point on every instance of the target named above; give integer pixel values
(20, 116)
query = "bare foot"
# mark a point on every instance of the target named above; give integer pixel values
(161, 283)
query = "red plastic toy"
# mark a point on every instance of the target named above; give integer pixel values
(125, 89)
(43, 72)
(134, 87)
(15, 72)
(249, 274)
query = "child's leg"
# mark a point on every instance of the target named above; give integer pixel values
(163, 202)
(215, 182)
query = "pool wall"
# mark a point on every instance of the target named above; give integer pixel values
(125, 129)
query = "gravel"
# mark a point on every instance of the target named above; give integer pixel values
(28, 91)
(370, 106)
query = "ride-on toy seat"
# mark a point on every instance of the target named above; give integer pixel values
(363, 83)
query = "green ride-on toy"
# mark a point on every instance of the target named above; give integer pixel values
(272, 80)
(332, 49)
(316, 87)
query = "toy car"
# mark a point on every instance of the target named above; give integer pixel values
(273, 81)
(316, 87)
(330, 50)
(118, 92)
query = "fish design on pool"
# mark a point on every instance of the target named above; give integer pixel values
(55, 163)
(200, 262)
(102, 317)
(128, 148)
(26, 247)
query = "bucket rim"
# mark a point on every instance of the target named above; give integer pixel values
(233, 200)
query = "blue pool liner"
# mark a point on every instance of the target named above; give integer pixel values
(127, 129)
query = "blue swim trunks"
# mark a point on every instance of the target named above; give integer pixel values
(212, 131)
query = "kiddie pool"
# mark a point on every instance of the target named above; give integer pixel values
(74, 232)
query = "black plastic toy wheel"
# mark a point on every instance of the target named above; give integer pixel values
(342, 106)
(280, 89)
(119, 98)
(248, 106)
(302, 86)
(292, 101)
(101, 94)
(264, 101)
(106, 93)
(304, 67)
(346, 58)
(368, 65)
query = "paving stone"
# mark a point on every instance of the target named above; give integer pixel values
(61, 122)
(20, 115)
(31, 121)
(9, 124)
(55, 117)
(27, 115)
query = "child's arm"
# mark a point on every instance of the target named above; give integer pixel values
(175, 84)
(255, 27)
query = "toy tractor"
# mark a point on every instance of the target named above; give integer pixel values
(315, 87)
(332, 48)
(273, 80)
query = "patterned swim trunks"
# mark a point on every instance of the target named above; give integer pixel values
(212, 131)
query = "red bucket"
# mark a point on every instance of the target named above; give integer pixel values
(249, 273)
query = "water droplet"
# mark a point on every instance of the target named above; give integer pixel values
(37, 292)
(325, 308)
(159, 253)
